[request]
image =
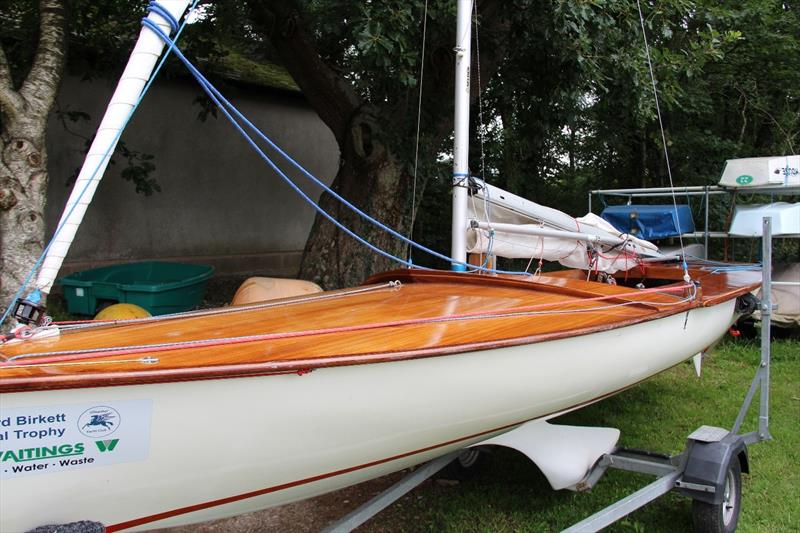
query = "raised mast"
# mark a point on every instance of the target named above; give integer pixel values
(131, 84)
(458, 250)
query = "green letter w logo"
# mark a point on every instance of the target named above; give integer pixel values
(106, 445)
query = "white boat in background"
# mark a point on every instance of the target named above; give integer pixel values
(183, 418)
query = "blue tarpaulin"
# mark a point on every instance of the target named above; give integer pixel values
(650, 221)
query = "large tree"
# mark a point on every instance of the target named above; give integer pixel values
(34, 39)
(24, 108)
(568, 102)
(358, 66)
(727, 77)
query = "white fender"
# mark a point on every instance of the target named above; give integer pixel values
(563, 453)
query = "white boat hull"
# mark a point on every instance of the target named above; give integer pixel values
(228, 446)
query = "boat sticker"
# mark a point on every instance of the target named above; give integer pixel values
(744, 179)
(41, 440)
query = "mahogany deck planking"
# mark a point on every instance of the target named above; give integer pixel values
(422, 295)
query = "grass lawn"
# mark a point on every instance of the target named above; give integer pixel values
(508, 493)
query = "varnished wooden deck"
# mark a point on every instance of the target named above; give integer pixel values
(430, 313)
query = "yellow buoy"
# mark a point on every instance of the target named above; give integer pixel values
(122, 312)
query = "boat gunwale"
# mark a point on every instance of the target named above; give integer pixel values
(129, 376)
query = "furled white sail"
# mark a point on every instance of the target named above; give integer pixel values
(507, 225)
(131, 84)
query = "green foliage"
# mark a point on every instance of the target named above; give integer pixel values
(598, 95)
(138, 170)
(570, 107)
(574, 99)
(377, 44)
(139, 166)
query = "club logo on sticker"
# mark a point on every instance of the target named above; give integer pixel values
(99, 421)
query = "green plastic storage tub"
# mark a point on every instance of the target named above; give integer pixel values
(159, 287)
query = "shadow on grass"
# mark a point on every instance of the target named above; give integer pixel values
(509, 493)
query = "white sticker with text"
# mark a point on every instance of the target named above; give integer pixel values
(40, 440)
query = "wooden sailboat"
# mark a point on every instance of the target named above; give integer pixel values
(183, 418)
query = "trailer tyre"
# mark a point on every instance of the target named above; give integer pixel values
(464, 466)
(722, 517)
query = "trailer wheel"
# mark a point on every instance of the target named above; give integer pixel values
(463, 467)
(724, 516)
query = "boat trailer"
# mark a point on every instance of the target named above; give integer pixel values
(708, 470)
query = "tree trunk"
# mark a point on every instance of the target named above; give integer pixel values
(371, 178)
(23, 158)
(23, 190)
(371, 175)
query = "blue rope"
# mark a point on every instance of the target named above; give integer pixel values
(155, 7)
(721, 266)
(36, 295)
(228, 109)
(213, 94)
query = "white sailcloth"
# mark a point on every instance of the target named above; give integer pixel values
(520, 229)
(131, 84)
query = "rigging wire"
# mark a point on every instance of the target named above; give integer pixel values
(481, 125)
(71, 325)
(419, 120)
(663, 138)
(481, 136)
(228, 108)
(539, 309)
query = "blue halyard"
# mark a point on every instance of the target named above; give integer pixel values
(229, 110)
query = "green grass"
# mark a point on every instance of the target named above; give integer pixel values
(508, 493)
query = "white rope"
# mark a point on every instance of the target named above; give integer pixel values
(419, 120)
(229, 310)
(686, 276)
(142, 360)
(480, 92)
(199, 343)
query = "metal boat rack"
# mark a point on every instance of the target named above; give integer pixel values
(703, 191)
(707, 470)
